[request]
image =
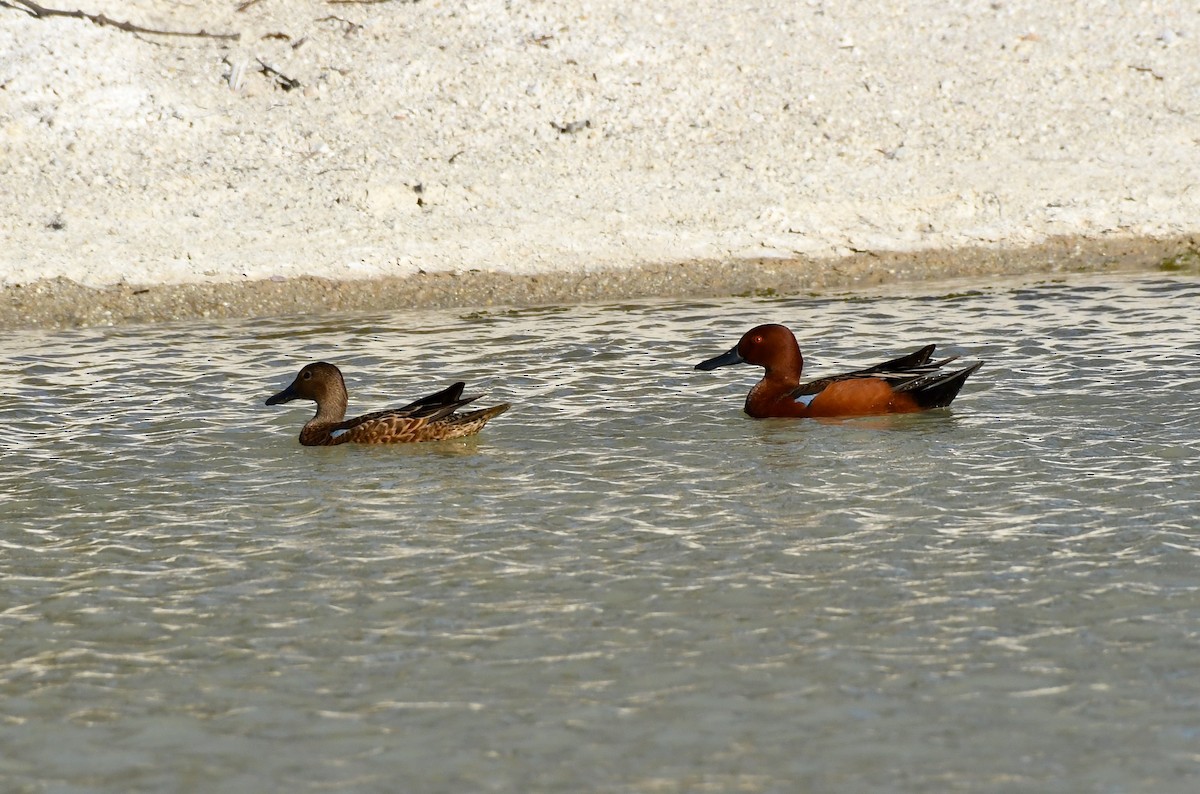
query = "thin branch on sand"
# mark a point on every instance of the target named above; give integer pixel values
(41, 12)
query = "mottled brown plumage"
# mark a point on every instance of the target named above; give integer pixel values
(432, 418)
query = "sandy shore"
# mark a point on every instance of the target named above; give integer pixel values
(61, 303)
(383, 155)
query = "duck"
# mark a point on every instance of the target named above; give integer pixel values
(432, 418)
(907, 384)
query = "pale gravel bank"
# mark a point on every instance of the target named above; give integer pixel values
(438, 153)
(61, 303)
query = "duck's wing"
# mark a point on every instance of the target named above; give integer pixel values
(389, 427)
(937, 390)
(897, 372)
(451, 393)
(427, 409)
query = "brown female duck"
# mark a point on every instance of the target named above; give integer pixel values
(431, 418)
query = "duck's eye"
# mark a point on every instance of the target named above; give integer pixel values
(306, 375)
(758, 340)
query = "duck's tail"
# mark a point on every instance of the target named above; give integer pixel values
(482, 415)
(469, 423)
(938, 391)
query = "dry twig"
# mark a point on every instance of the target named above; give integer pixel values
(41, 12)
(281, 79)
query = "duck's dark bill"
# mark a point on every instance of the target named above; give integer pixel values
(722, 360)
(285, 396)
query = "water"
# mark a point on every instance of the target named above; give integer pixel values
(623, 584)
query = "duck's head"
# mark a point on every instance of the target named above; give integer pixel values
(771, 346)
(320, 382)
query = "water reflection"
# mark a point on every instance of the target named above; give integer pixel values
(623, 584)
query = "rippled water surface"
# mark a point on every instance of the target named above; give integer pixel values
(624, 584)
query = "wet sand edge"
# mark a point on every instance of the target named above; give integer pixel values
(61, 303)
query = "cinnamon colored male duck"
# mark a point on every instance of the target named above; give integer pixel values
(903, 385)
(431, 418)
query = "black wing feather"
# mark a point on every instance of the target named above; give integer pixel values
(897, 371)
